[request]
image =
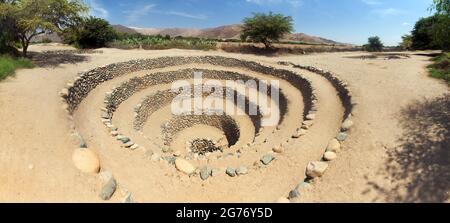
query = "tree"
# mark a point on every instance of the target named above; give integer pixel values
(94, 33)
(266, 28)
(422, 34)
(406, 43)
(34, 17)
(441, 32)
(374, 44)
(441, 6)
(8, 32)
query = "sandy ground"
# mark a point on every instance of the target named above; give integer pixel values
(36, 149)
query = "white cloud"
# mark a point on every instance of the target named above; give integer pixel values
(97, 9)
(372, 2)
(406, 24)
(137, 13)
(186, 15)
(388, 12)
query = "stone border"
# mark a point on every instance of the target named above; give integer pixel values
(316, 169)
(87, 81)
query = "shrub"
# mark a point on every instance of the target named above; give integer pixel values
(441, 67)
(93, 33)
(8, 65)
(374, 44)
(135, 41)
(266, 28)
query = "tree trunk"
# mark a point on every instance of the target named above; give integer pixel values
(25, 50)
(267, 44)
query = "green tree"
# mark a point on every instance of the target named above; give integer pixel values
(266, 28)
(406, 43)
(441, 32)
(374, 44)
(34, 17)
(441, 6)
(8, 35)
(94, 33)
(422, 34)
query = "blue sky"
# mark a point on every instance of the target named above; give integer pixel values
(350, 21)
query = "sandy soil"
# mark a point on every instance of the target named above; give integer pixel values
(36, 148)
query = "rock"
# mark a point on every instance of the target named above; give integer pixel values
(134, 147)
(105, 176)
(184, 166)
(334, 146)
(342, 136)
(347, 125)
(231, 172)
(205, 173)
(329, 156)
(64, 92)
(278, 149)
(86, 161)
(128, 144)
(128, 199)
(308, 123)
(108, 189)
(282, 200)
(241, 171)
(294, 194)
(267, 159)
(124, 139)
(311, 117)
(165, 149)
(81, 142)
(31, 166)
(316, 169)
(299, 133)
(105, 115)
(177, 153)
(114, 133)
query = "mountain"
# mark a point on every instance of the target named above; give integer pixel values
(124, 29)
(221, 32)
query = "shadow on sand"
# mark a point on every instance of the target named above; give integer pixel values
(420, 165)
(52, 59)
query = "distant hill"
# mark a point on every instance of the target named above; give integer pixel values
(221, 32)
(124, 29)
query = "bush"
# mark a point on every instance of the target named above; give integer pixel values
(8, 65)
(93, 33)
(374, 45)
(422, 35)
(441, 67)
(7, 36)
(136, 41)
(266, 28)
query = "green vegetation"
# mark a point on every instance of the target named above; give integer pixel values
(29, 18)
(441, 67)
(136, 41)
(433, 33)
(374, 44)
(441, 6)
(406, 43)
(8, 65)
(266, 28)
(91, 33)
